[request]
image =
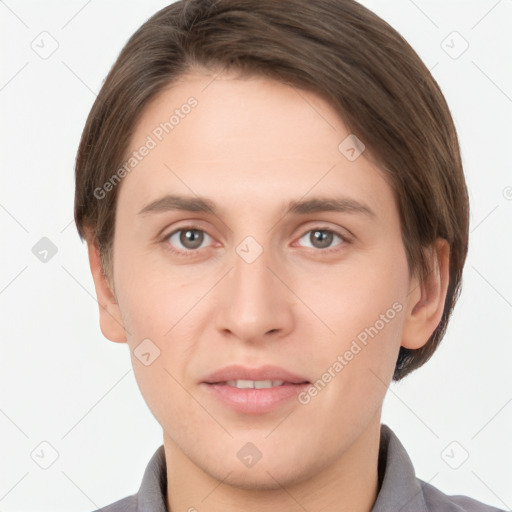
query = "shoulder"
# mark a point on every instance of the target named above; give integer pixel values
(128, 504)
(400, 489)
(436, 501)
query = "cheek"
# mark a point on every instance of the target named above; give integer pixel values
(354, 371)
(159, 303)
(152, 297)
(355, 296)
(159, 314)
(364, 307)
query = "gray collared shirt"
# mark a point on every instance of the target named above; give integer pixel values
(399, 489)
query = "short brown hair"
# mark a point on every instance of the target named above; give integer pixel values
(338, 49)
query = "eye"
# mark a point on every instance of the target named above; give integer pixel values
(189, 237)
(322, 238)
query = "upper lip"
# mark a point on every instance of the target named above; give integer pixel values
(267, 372)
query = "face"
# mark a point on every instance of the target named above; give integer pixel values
(321, 290)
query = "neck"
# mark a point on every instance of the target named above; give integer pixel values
(350, 483)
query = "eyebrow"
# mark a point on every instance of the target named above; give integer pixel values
(298, 207)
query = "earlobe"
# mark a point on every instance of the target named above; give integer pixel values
(427, 298)
(111, 323)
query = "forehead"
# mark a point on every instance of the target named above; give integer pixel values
(243, 138)
(240, 114)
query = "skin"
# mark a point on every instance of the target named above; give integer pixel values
(251, 145)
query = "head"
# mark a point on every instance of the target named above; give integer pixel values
(250, 106)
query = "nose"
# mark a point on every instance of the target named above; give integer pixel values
(253, 301)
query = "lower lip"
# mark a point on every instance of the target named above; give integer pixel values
(254, 401)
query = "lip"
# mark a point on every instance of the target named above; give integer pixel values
(253, 401)
(267, 372)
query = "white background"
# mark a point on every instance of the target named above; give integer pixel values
(63, 383)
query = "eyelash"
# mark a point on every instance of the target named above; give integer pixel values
(193, 252)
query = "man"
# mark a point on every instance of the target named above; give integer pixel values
(277, 219)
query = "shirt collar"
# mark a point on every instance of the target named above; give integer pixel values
(399, 489)
(152, 493)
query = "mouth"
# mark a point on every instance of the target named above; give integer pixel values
(263, 377)
(254, 397)
(256, 384)
(254, 391)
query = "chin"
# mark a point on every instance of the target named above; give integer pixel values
(264, 480)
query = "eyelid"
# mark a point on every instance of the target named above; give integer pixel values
(345, 240)
(318, 227)
(186, 252)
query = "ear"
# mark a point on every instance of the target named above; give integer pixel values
(427, 297)
(111, 323)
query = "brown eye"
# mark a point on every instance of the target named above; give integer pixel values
(321, 238)
(187, 239)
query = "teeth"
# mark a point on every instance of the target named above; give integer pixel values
(256, 384)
